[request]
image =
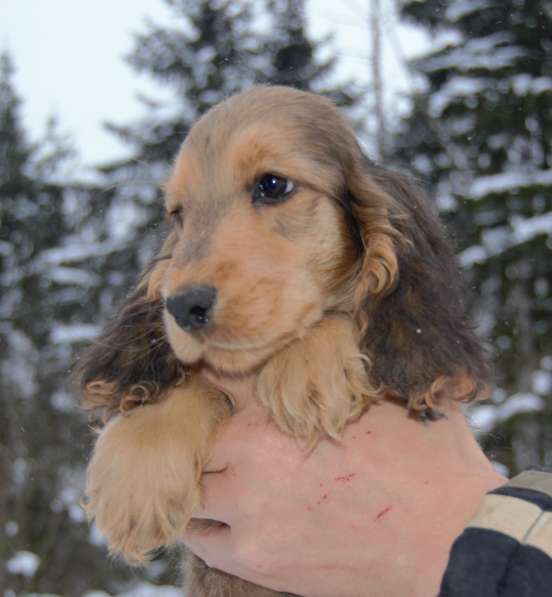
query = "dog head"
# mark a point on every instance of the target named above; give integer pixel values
(264, 240)
(278, 219)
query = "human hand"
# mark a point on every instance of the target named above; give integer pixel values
(374, 515)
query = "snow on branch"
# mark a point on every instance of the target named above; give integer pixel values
(507, 182)
(462, 8)
(490, 52)
(486, 417)
(502, 238)
(69, 334)
(23, 562)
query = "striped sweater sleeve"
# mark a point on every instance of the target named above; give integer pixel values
(506, 551)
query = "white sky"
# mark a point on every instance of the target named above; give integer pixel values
(69, 59)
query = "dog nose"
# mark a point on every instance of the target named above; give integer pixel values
(193, 308)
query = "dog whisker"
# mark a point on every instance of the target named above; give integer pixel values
(161, 258)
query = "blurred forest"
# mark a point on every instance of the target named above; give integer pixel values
(478, 134)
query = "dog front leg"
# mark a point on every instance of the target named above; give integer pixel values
(143, 481)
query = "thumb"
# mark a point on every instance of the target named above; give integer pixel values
(240, 389)
(236, 435)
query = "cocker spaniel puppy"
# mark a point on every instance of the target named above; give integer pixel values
(293, 256)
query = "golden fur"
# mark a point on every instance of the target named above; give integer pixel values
(342, 295)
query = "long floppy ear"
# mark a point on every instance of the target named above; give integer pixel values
(131, 362)
(375, 214)
(409, 295)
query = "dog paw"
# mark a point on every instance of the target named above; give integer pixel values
(143, 479)
(317, 385)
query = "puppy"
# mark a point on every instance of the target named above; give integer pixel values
(292, 256)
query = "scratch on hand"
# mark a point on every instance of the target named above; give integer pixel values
(345, 478)
(382, 513)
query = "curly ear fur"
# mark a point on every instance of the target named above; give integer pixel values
(409, 296)
(131, 362)
(379, 268)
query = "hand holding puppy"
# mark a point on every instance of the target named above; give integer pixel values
(363, 517)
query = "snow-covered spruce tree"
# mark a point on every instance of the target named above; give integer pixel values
(289, 53)
(44, 539)
(291, 58)
(480, 132)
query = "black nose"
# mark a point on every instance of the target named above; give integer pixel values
(193, 308)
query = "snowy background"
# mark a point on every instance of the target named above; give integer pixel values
(85, 42)
(465, 105)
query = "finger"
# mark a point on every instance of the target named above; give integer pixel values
(208, 541)
(215, 489)
(240, 388)
(222, 449)
(226, 444)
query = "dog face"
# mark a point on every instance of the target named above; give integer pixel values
(260, 246)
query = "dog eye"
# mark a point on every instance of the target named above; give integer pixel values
(176, 215)
(271, 188)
